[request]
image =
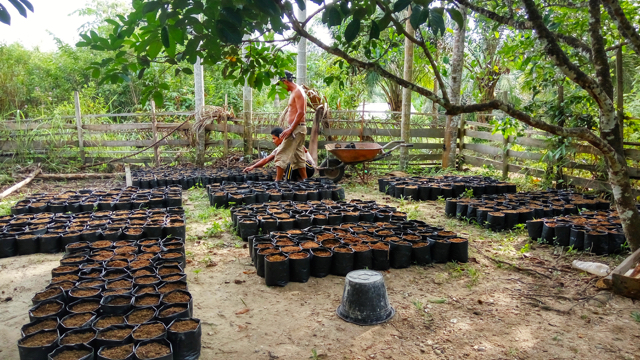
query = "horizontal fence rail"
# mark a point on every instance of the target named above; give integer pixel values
(104, 137)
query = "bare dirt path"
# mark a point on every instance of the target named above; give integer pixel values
(481, 310)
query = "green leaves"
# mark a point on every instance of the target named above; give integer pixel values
(456, 16)
(436, 21)
(301, 5)
(228, 32)
(158, 98)
(20, 5)
(384, 21)
(27, 4)
(21, 9)
(334, 16)
(268, 7)
(419, 16)
(164, 34)
(400, 5)
(374, 32)
(154, 49)
(352, 30)
(4, 15)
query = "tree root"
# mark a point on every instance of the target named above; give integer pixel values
(519, 268)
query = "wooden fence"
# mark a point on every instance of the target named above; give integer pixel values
(93, 138)
(581, 167)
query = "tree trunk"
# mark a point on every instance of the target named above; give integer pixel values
(405, 128)
(434, 105)
(247, 111)
(301, 73)
(625, 201)
(451, 130)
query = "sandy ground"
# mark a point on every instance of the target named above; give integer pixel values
(481, 310)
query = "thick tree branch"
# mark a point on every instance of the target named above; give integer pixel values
(603, 72)
(424, 48)
(626, 29)
(615, 47)
(297, 27)
(526, 25)
(571, 70)
(321, 9)
(568, 5)
(579, 133)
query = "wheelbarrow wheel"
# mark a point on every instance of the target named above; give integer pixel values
(332, 174)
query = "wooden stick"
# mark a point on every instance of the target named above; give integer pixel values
(137, 152)
(74, 176)
(22, 183)
(127, 171)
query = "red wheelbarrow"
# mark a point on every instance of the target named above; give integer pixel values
(352, 154)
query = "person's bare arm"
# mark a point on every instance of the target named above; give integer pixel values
(260, 163)
(300, 108)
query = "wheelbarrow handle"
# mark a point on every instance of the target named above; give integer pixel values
(392, 143)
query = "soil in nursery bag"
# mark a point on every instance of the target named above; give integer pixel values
(80, 336)
(321, 262)
(168, 287)
(108, 320)
(41, 338)
(400, 255)
(150, 331)
(440, 251)
(71, 354)
(342, 263)
(276, 270)
(47, 308)
(380, 256)
(185, 336)
(121, 352)
(77, 320)
(84, 306)
(115, 333)
(147, 300)
(421, 253)
(299, 266)
(171, 310)
(81, 293)
(52, 293)
(154, 350)
(363, 257)
(37, 346)
(139, 316)
(459, 250)
(34, 327)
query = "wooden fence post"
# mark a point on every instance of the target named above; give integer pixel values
(225, 137)
(154, 129)
(127, 175)
(505, 157)
(76, 96)
(247, 109)
(505, 145)
(559, 163)
(405, 124)
(461, 136)
(198, 75)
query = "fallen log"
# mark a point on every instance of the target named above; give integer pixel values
(22, 183)
(75, 176)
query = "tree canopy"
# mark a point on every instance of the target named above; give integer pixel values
(555, 42)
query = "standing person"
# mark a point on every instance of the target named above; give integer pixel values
(292, 148)
(289, 175)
